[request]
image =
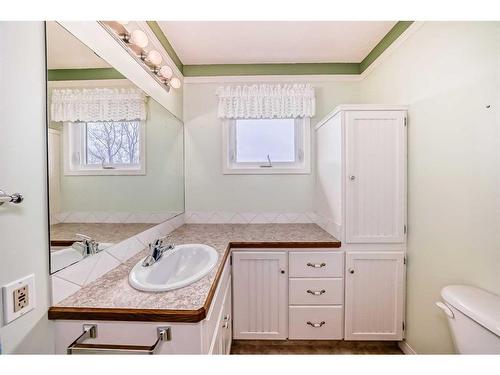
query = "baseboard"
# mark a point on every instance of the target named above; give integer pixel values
(405, 348)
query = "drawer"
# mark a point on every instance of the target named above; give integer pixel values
(315, 322)
(316, 264)
(316, 291)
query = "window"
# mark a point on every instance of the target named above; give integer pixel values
(266, 146)
(104, 148)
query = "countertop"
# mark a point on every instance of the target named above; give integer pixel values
(101, 232)
(111, 294)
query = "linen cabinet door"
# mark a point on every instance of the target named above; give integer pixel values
(375, 182)
(374, 295)
(260, 295)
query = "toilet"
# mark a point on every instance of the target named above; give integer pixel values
(474, 319)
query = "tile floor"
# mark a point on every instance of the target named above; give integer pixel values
(314, 347)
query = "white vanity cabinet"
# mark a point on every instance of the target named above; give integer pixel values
(316, 295)
(211, 335)
(260, 285)
(361, 199)
(221, 343)
(294, 293)
(374, 295)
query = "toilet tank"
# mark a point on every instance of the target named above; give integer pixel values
(474, 319)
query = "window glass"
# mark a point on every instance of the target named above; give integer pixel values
(258, 138)
(112, 143)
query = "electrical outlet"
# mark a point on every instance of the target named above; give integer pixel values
(21, 298)
(18, 298)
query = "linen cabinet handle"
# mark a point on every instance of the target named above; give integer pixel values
(316, 292)
(317, 325)
(316, 265)
(90, 331)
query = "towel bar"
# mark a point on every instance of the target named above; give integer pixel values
(90, 331)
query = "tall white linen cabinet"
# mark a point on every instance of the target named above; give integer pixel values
(361, 199)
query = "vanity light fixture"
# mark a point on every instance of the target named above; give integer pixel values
(175, 83)
(154, 57)
(166, 72)
(139, 38)
(135, 42)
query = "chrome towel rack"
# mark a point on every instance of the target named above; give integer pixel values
(90, 332)
(14, 198)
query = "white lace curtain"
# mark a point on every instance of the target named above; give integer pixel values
(266, 101)
(99, 104)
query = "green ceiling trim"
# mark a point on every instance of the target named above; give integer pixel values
(270, 69)
(155, 28)
(386, 41)
(83, 74)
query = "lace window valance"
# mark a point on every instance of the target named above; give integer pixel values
(266, 101)
(99, 104)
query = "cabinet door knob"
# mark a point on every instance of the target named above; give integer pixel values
(352, 178)
(282, 271)
(351, 270)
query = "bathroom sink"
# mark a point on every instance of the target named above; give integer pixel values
(177, 268)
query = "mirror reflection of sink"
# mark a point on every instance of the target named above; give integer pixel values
(66, 256)
(176, 269)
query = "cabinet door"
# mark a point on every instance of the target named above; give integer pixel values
(260, 290)
(375, 176)
(227, 322)
(374, 295)
(218, 345)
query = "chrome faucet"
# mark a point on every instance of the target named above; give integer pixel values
(156, 251)
(87, 246)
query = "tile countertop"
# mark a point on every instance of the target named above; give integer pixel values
(112, 291)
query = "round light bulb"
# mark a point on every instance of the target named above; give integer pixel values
(139, 38)
(175, 83)
(154, 57)
(166, 72)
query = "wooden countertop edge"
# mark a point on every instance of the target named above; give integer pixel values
(164, 315)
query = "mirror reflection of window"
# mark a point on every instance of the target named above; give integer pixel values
(108, 144)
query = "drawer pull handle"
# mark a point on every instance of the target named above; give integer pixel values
(316, 292)
(316, 265)
(227, 317)
(317, 325)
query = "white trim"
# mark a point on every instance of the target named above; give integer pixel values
(406, 348)
(360, 107)
(301, 167)
(304, 78)
(71, 170)
(110, 83)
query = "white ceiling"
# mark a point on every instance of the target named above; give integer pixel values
(64, 51)
(249, 42)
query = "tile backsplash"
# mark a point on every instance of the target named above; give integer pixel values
(227, 217)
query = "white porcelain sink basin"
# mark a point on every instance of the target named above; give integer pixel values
(176, 269)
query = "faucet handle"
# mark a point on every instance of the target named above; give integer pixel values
(83, 237)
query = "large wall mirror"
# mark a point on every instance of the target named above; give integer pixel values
(115, 155)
